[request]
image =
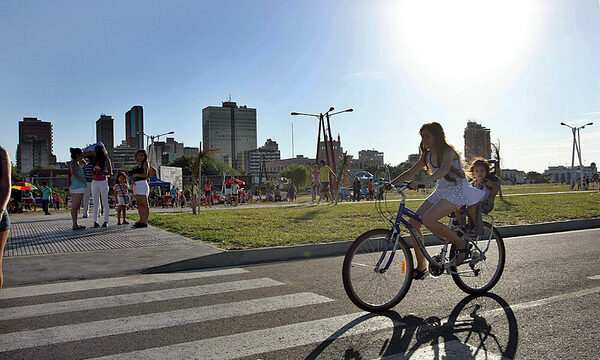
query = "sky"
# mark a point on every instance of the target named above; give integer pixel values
(519, 68)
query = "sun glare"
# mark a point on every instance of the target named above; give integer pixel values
(463, 40)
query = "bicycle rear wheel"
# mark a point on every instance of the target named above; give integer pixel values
(368, 287)
(482, 270)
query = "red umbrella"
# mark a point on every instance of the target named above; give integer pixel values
(231, 181)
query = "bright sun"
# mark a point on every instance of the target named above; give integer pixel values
(463, 40)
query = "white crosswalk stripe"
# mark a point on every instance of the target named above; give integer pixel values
(63, 287)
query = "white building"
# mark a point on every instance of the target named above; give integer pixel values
(512, 176)
(562, 174)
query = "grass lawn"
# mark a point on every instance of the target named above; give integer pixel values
(281, 226)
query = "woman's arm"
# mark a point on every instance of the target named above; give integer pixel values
(74, 167)
(410, 173)
(5, 170)
(108, 167)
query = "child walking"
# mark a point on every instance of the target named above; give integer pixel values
(483, 179)
(121, 197)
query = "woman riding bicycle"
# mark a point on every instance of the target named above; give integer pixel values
(444, 165)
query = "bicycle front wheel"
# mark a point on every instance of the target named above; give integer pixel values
(369, 284)
(483, 268)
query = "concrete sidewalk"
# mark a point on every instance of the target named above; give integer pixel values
(44, 249)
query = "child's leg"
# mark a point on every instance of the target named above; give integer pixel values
(118, 214)
(472, 212)
(125, 215)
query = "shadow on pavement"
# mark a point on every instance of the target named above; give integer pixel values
(467, 334)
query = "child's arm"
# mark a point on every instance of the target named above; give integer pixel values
(494, 189)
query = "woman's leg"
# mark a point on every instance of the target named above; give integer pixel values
(431, 221)
(421, 260)
(96, 200)
(104, 194)
(76, 203)
(3, 238)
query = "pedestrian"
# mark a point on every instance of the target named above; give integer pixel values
(207, 192)
(315, 181)
(356, 189)
(324, 172)
(88, 170)
(141, 188)
(174, 195)
(5, 171)
(235, 191)
(370, 189)
(77, 184)
(46, 196)
(121, 190)
(28, 199)
(101, 171)
(57, 201)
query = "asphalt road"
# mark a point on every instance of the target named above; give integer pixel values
(546, 306)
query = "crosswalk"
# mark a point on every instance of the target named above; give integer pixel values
(213, 314)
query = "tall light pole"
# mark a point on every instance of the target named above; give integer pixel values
(576, 147)
(150, 140)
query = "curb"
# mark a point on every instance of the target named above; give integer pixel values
(313, 251)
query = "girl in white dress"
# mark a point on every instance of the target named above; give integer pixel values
(444, 165)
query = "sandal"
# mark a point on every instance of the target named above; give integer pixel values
(419, 274)
(466, 251)
(79, 227)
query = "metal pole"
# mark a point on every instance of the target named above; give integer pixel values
(580, 164)
(573, 161)
(331, 144)
(319, 138)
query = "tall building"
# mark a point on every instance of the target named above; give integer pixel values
(134, 126)
(35, 144)
(371, 156)
(123, 158)
(105, 132)
(268, 152)
(231, 130)
(477, 141)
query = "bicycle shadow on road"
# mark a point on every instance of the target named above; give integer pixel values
(467, 333)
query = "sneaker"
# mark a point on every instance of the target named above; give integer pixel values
(96, 225)
(105, 225)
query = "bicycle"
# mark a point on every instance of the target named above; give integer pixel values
(378, 267)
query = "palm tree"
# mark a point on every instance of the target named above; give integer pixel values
(197, 175)
(496, 156)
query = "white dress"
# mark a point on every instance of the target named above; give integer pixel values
(459, 193)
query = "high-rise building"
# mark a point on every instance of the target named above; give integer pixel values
(35, 144)
(477, 141)
(134, 126)
(123, 158)
(268, 152)
(371, 156)
(231, 130)
(105, 132)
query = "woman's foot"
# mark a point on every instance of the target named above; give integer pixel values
(96, 225)
(78, 227)
(105, 225)
(419, 274)
(460, 255)
(140, 225)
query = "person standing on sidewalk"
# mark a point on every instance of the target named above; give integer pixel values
(315, 182)
(324, 172)
(121, 190)
(356, 187)
(5, 171)
(78, 184)
(88, 170)
(102, 169)
(46, 196)
(141, 189)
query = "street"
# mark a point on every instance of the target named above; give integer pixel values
(546, 306)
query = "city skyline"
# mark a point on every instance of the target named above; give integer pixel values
(390, 61)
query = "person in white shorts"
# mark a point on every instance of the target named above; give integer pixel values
(141, 188)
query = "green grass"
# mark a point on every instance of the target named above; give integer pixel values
(281, 226)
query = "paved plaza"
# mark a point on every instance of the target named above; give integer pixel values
(52, 234)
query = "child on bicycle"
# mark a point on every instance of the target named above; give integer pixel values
(483, 179)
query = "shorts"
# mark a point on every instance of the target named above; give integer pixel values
(141, 187)
(4, 222)
(324, 186)
(77, 191)
(121, 201)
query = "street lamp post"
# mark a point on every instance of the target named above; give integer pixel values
(576, 147)
(150, 140)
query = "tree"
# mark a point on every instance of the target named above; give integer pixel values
(496, 156)
(299, 174)
(15, 174)
(536, 177)
(185, 163)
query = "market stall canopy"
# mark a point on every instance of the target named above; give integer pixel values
(154, 181)
(25, 184)
(364, 175)
(21, 188)
(231, 181)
